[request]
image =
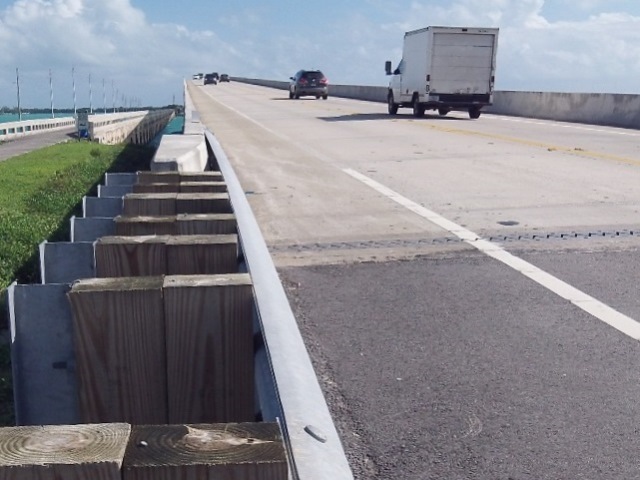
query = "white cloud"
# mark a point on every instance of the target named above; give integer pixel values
(598, 54)
(596, 49)
(107, 39)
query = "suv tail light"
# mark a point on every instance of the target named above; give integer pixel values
(302, 81)
(324, 81)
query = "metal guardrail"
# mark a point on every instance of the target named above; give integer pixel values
(315, 449)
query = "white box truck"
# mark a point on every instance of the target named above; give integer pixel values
(444, 69)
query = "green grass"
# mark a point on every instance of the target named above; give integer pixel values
(39, 192)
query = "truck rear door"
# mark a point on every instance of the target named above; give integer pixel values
(462, 63)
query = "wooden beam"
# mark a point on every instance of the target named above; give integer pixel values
(150, 204)
(203, 187)
(206, 224)
(119, 341)
(131, 256)
(201, 176)
(203, 203)
(177, 177)
(201, 254)
(160, 204)
(182, 187)
(156, 188)
(247, 451)
(69, 452)
(182, 224)
(209, 331)
(145, 225)
(158, 177)
(137, 256)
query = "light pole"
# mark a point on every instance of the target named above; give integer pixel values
(53, 115)
(104, 97)
(18, 84)
(73, 79)
(90, 97)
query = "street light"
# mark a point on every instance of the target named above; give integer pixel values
(73, 79)
(18, 84)
(53, 115)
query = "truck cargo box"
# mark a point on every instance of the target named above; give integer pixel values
(445, 68)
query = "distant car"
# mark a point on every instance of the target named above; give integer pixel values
(307, 83)
(211, 78)
(224, 78)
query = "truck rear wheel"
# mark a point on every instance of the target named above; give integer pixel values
(474, 112)
(418, 108)
(443, 111)
(392, 107)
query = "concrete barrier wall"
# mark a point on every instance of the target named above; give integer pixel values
(608, 109)
(130, 127)
(593, 108)
(180, 153)
(133, 127)
(12, 130)
(186, 152)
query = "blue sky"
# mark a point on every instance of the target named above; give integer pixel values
(143, 49)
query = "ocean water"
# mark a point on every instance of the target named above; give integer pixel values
(175, 126)
(10, 117)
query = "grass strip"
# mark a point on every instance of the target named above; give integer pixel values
(39, 192)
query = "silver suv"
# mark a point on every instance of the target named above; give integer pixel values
(307, 83)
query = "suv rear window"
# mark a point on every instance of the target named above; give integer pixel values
(313, 75)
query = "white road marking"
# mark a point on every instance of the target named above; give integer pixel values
(594, 307)
(605, 313)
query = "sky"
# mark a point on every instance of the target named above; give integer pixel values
(138, 52)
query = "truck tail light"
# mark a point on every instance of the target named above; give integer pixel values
(428, 77)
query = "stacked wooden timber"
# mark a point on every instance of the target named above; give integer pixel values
(119, 451)
(173, 349)
(148, 255)
(164, 351)
(181, 224)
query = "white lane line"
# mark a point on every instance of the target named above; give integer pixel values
(605, 313)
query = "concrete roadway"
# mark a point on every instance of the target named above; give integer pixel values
(36, 141)
(443, 356)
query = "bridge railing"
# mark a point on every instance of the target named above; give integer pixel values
(13, 130)
(131, 127)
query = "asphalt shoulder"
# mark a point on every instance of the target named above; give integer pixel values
(33, 142)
